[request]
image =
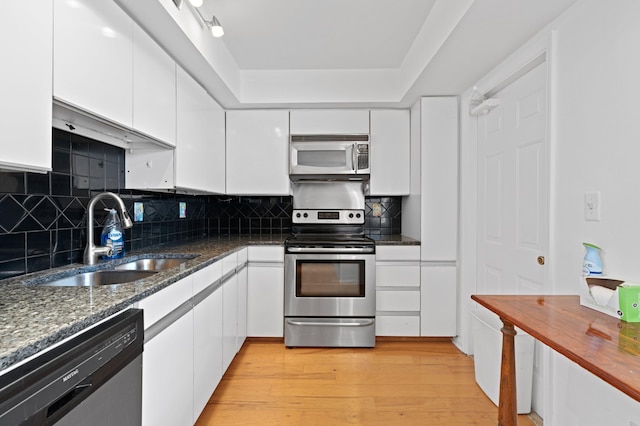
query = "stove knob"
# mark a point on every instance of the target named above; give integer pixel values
(305, 215)
(358, 215)
(298, 215)
(351, 215)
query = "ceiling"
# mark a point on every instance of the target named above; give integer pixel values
(342, 53)
(319, 34)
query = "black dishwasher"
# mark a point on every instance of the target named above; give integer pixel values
(94, 378)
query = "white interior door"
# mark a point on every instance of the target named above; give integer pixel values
(513, 189)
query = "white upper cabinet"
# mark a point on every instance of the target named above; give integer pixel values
(93, 58)
(333, 121)
(154, 89)
(439, 208)
(257, 157)
(197, 164)
(390, 152)
(25, 111)
(200, 152)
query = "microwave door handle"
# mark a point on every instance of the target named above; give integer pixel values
(354, 157)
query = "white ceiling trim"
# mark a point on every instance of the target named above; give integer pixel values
(287, 87)
(356, 85)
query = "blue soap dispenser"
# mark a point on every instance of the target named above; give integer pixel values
(113, 235)
(592, 264)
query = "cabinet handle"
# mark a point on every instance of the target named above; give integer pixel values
(540, 260)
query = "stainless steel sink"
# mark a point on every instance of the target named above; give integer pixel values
(152, 264)
(97, 278)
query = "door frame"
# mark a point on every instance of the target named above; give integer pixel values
(542, 46)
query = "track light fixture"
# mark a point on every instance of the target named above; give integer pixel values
(214, 25)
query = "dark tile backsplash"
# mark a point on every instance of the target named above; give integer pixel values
(250, 215)
(43, 216)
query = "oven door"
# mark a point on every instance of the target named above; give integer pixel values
(330, 285)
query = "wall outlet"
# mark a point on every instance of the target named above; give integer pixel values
(376, 210)
(592, 206)
(138, 211)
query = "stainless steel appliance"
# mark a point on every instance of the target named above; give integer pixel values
(94, 378)
(329, 268)
(312, 156)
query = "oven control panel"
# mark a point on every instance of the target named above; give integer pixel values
(341, 217)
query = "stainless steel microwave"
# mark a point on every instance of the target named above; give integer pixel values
(329, 155)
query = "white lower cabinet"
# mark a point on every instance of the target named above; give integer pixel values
(265, 295)
(207, 335)
(167, 359)
(191, 336)
(243, 284)
(398, 290)
(229, 309)
(438, 301)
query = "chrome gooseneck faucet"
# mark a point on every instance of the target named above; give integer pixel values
(91, 252)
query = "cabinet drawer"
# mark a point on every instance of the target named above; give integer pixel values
(242, 256)
(229, 263)
(397, 325)
(398, 253)
(398, 275)
(398, 300)
(205, 277)
(266, 254)
(166, 300)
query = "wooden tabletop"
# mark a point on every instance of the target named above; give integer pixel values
(604, 345)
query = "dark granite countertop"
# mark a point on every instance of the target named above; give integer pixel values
(394, 240)
(34, 317)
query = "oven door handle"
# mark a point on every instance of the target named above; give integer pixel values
(354, 323)
(338, 250)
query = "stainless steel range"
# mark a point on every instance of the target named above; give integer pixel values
(329, 268)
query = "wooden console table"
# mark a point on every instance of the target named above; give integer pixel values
(603, 345)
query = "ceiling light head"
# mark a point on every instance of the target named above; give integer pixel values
(216, 27)
(196, 3)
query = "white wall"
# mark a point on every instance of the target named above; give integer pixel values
(595, 124)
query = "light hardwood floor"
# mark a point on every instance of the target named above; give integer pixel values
(397, 383)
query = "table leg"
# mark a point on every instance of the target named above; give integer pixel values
(507, 409)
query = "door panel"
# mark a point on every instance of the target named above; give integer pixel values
(513, 189)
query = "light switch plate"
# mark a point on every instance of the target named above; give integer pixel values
(592, 206)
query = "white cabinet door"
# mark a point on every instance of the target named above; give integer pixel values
(167, 359)
(26, 86)
(438, 301)
(390, 152)
(243, 282)
(207, 335)
(229, 320)
(154, 89)
(265, 294)
(329, 121)
(167, 375)
(197, 164)
(93, 58)
(199, 156)
(257, 156)
(265, 300)
(439, 205)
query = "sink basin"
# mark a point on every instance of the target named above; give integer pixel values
(97, 278)
(152, 264)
